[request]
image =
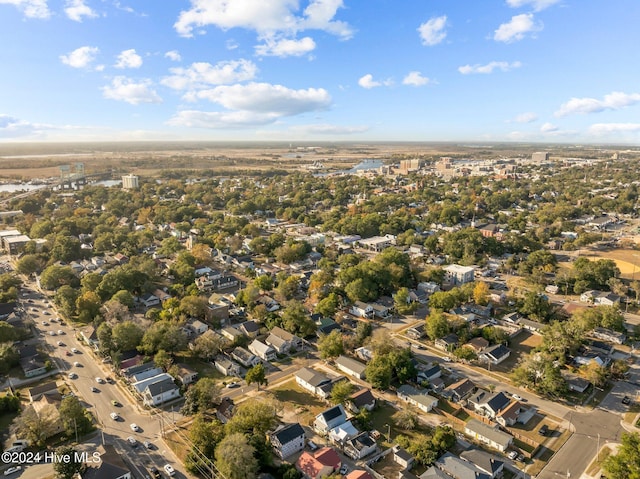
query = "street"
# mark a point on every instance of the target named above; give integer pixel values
(100, 401)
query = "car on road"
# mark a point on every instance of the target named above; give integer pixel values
(73, 376)
(68, 353)
(60, 332)
(94, 389)
(312, 445)
(60, 343)
(516, 397)
(54, 320)
(34, 309)
(100, 380)
(520, 458)
(115, 403)
(512, 455)
(344, 469)
(76, 363)
(115, 416)
(446, 359)
(132, 441)
(134, 427)
(154, 472)
(44, 323)
(233, 385)
(74, 350)
(168, 468)
(626, 400)
(52, 333)
(544, 430)
(46, 313)
(148, 445)
(12, 470)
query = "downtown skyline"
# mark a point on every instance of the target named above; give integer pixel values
(556, 71)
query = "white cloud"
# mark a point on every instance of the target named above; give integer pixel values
(368, 82)
(537, 5)
(432, 31)
(30, 8)
(327, 129)
(263, 17)
(489, 67)
(613, 101)
(81, 57)
(517, 28)
(130, 91)
(76, 9)
(608, 128)
(203, 75)
(274, 101)
(11, 127)
(220, 120)
(527, 117)
(548, 128)
(129, 59)
(173, 55)
(286, 47)
(415, 79)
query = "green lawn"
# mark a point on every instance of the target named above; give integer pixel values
(382, 416)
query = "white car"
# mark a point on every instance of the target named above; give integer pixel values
(512, 455)
(73, 376)
(115, 416)
(74, 350)
(168, 468)
(13, 469)
(134, 427)
(44, 323)
(132, 440)
(76, 364)
(52, 333)
(60, 332)
(100, 380)
(344, 469)
(60, 343)
(516, 397)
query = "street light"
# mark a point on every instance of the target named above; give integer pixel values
(388, 433)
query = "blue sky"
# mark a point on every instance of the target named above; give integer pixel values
(318, 70)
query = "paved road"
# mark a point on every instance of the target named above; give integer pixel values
(99, 402)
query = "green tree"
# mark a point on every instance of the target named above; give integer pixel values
(625, 464)
(264, 282)
(205, 435)
(124, 297)
(208, 346)
(437, 325)
(405, 419)
(55, 276)
(235, 457)
(67, 469)
(163, 359)
(126, 336)
(201, 396)
(36, 427)
(30, 263)
(258, 375)
(74, 417)
(379, 372)
(254, 416)
(341, 391)
(331, 345)
(296, 319)
(163, 335)
(65, 298)
(328, 306)
(402, 302)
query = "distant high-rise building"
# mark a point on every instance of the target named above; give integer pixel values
(540, 156)
(407, 166)
(130, 182)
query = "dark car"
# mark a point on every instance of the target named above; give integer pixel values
(154, 472)
(626, 400)
(544, 430)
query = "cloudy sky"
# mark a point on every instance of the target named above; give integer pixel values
(415, 70)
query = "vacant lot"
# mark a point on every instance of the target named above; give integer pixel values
(520, 345)
(299, 405)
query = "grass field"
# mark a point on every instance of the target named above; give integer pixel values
(627, 260)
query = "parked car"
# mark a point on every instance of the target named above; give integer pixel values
(115, 416)
(344, 469)
(132, 440)
(168, 468)
(76, 363)
(233, 385)
(52, 333)
(154, 472)
(516, 397)
(12, 470)
(94, 389)
(134, 427)
(312, 445)
(512, 455)
(520, 458)
(544, 430)
(60, 332)
(74, 350)
(73, 376)
(99, 380)
(148, 445)
(626, 400)
(60, 343)
(115, 403)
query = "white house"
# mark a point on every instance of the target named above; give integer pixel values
(263, 351)
(245, 357)
(417, 397)
(288, 440)
(160, 392)
(283, 341)
(327, 420)
(361, 310)
(486, 434)
(456, 274)
(311, 380)
(227, 367)
(350, 366)
(149, 300)
(495, 354)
